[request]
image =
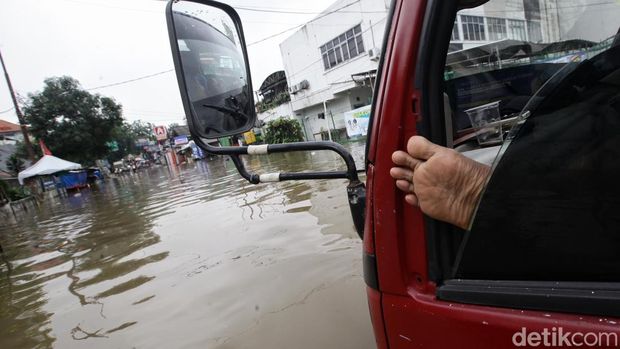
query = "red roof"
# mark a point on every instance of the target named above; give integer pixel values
(8, 127)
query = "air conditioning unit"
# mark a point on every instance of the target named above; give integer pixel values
(303, 85)
(374, 54)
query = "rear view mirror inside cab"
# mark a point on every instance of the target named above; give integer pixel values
(212, 70)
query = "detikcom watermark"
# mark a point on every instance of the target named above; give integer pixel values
(557, 337)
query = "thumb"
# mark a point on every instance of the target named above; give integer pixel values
(421, 148)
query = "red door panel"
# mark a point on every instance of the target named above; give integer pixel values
(419, 320)
(400, 257)
(404, 309)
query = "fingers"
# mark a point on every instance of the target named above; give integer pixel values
(412, 200)
(401, 173)
(405, 186)
(421, 148)
(400, 158)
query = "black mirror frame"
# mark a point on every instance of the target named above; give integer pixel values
(178, 66)
(356, 190)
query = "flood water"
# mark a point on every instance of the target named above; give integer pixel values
(188, 258)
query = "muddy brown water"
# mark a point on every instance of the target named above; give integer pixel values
(188, 258)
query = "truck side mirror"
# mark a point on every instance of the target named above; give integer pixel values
(212, 67)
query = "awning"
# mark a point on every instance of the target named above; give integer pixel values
(47, 165)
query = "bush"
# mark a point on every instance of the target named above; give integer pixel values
(15, 165)
(281, 98)
(283, 130)
(12, 193)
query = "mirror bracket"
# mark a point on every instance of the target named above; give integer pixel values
(236, 152)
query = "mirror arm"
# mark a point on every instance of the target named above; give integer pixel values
(235, 152)
(250, 176)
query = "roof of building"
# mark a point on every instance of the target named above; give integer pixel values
(8, 127)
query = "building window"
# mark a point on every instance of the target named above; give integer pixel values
(534, 31)
(342, 48)
(497, 28)
(455, 32)
(516, 29)
(473, 28)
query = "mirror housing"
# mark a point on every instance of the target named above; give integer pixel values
(211, 64)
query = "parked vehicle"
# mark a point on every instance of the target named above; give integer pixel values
(541, 258)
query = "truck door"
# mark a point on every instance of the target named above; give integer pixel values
(539, 265)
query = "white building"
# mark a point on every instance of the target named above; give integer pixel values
(331, 61)
(536, 21)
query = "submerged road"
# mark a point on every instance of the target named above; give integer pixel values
(190, 258)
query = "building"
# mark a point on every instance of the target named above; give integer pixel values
(534, 21)
(274, 99)
(10, 132)
(10, 135)
(331, 64)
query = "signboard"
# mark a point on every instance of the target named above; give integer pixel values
(180, 140)
(249, 137)
(197, 153)
(356, 121)
(112, 146)
(160, 133)
(142, 142)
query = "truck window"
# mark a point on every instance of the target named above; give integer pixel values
(548, 72)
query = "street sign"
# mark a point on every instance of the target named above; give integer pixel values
(180, 140)
(160, 133)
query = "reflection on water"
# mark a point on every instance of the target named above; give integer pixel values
(187, 257)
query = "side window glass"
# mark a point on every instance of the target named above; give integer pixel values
(541, 79)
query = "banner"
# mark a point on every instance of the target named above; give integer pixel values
(356, 121)
(180, 140)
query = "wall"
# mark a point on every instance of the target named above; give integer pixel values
(283, 110)
(303, 61)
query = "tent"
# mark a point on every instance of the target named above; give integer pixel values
(47, 165)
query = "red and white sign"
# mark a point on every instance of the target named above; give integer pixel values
(160, 133)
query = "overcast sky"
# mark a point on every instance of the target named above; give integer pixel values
(103, 42)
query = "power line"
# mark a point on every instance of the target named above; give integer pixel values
(130, 80)
(113, 7)
(258, 9)
(7, 110)
(310, 21)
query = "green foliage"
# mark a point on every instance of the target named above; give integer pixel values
(283, 130)
(17, 193)
(126, 136)
(12, 193)
(281, 98)
(74, 124)
(22, 153)
(14, 164)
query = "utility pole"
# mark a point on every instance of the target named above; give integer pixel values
(20, 117)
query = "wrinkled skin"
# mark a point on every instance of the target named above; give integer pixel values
(443, 183)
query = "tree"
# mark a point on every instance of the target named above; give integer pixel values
(14, 164)
(126, 135)
(22, 152)
(283, 130)
(75, 124)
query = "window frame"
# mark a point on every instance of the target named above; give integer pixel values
(588, 298)
(469, 24)
(347, 44)
(494, 23)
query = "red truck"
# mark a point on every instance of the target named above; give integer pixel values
(540, 262)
